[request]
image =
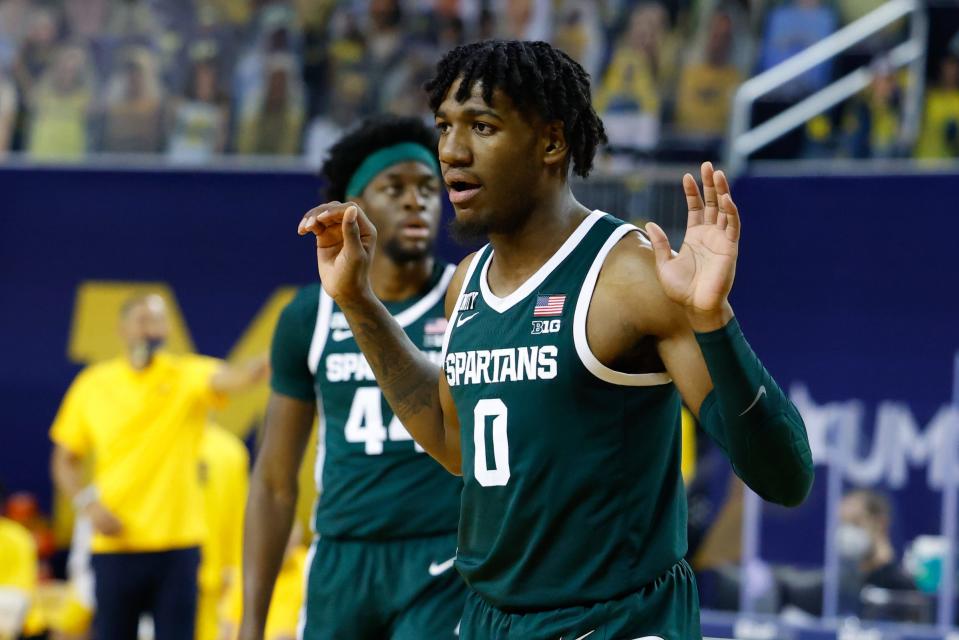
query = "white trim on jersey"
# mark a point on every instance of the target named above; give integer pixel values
(301, 623)
(320, 330)
(586, 356)
(320, 455)
(501, 305)
(452, 320)
(415, 311)
(404, 318)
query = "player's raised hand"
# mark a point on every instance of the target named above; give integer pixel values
(701, 275)
(345, 239)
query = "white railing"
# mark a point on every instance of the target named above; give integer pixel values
(744, 140)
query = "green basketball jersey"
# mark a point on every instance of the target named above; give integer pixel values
(375, 482)
(572, 489)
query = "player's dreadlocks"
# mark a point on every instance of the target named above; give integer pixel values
(371, 135)
(537, 77)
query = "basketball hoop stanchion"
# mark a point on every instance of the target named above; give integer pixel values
(752, 521)
(947, 585)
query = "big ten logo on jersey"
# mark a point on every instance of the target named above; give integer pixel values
(433, 332)
(365, 423)
(468, 301)
(545, 326)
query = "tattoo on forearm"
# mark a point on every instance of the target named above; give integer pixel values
(408, 383)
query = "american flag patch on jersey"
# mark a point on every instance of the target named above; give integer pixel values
(435, 326)
(549, 306)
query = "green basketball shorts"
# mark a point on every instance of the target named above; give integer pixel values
(397, 590)
(665, 609)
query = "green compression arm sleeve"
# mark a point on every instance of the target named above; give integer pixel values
(753, 421)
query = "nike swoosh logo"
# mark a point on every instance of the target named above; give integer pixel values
(760, 394)
(464, 319)
(442, 567)
(585, 635)
(339, 335)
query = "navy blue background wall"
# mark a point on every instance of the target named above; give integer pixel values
(846, 285)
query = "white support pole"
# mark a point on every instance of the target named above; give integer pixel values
(950, 489)
(752, 522)
(839, 455)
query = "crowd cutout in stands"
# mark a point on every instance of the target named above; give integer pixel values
(194, 80)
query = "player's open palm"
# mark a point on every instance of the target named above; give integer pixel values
(701, 275)
(345, 239)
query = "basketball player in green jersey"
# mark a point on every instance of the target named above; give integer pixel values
(381, 565)
(572, 339)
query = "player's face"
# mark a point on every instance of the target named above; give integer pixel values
(490, 162)
(403, 202)
(145, 322)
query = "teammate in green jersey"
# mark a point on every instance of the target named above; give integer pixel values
(572, 339)
(381, 564)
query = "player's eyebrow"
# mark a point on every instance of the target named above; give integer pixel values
(472, 112)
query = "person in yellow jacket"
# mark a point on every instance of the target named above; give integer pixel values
(141, 417)
(224, 476)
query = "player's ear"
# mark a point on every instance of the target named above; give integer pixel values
(555, 148)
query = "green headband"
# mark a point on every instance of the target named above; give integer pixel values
(387, 157)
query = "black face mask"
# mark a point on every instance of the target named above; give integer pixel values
(144, 351)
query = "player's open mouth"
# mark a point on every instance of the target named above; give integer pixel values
(462, 190)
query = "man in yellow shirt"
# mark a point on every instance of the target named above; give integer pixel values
(140, 417)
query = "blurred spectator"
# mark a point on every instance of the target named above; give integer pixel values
(60, 107)
(274, 33)
(133, 117)
(790, 28)
(349, 95)
(132, 22)
(224, 472)
(199, 118)
(706, 87)
(22, 507)
(940, 126)
(37, 51)
(400, 92)
(872, 122)
(272, 118)
(18, 579)
(642, 68)
(523, 19)
(14, 20)
(867, 565)
(866, 554)
(233, 12)
(387, 50)
(9, 102)
(578, 34)
(86, 20)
